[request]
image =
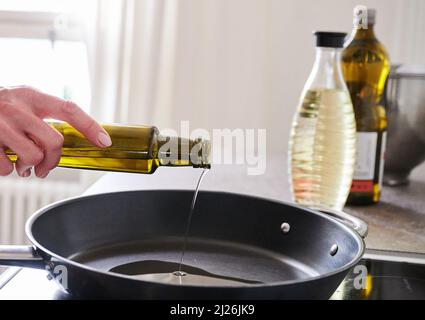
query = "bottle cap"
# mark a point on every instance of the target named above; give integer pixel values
(201, 158)
(364, 16)
(330, 39)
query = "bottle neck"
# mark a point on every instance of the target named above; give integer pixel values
(362, 33)
(327, 72)
(176, 151)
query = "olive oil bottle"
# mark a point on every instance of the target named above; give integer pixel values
(138, 149)
(366, 66)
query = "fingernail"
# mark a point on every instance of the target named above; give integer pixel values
(44, 175)
(26, 173)
(104, 139)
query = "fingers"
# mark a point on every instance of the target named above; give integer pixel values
(45, 138)
(51, 143)
(6, 166)
(29, 157)
(22, 129)
(29, 154)
(49, 106)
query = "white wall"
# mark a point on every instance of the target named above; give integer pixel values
(243, 63)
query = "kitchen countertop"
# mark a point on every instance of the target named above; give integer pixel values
(397, 223)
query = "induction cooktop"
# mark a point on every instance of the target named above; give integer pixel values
(380, 275)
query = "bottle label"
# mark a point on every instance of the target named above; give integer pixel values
(382, 158)
(369, 161)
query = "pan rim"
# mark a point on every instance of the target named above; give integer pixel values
(31, 220)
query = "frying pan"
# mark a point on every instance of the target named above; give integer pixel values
(283, 251)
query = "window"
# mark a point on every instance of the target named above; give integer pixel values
(59, 6)
(42, 45)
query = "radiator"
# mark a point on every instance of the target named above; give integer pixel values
(19, 198)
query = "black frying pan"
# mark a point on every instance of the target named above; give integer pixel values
(273, 249)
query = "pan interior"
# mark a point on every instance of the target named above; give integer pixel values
(206, 263)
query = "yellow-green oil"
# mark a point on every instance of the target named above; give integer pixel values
(134, 149)
(365, 66)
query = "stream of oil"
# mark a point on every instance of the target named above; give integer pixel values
(179, 273)
(189, 219)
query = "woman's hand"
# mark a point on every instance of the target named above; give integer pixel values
(22, 129)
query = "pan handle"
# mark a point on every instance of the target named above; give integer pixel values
(353, 222)
(21, 256)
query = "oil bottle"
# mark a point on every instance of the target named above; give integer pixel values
(323, 136)
(366, 65)
(138, 149)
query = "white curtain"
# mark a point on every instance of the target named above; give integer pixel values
(224, 64)
(162, 61)
(410, 34)
(131, 58)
